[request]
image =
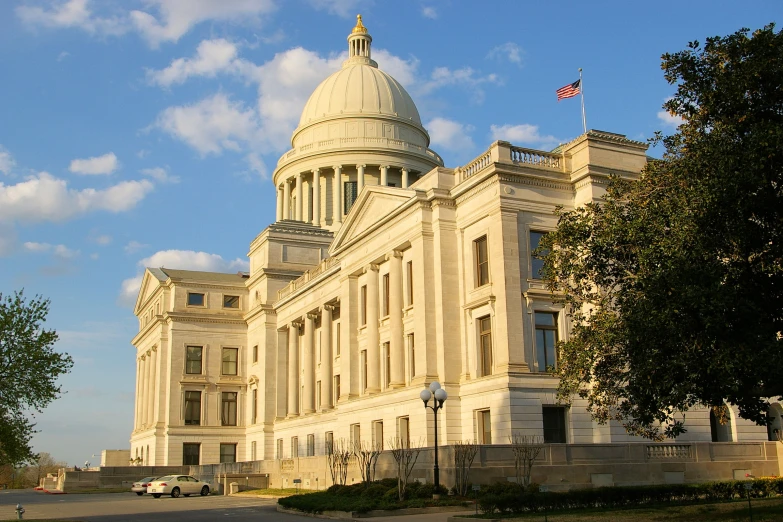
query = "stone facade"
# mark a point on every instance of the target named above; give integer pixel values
(384, 271)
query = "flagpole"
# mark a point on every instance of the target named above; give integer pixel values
(582, 91)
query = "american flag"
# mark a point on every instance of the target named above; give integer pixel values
(569, 91)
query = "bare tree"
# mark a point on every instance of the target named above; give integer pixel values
(367, 454)
(405, 457)
(526, 449)
(40, 466)
(338, 454)
(464, 453)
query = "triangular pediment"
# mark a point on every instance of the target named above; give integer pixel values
(149, 285)
(374, 205)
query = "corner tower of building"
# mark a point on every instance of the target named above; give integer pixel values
(360, 127)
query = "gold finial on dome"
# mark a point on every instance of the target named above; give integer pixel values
(359, 29)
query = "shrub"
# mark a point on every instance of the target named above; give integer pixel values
(375, 491)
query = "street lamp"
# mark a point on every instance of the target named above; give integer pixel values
(440, 397)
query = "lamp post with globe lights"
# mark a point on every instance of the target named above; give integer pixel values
(440, 396)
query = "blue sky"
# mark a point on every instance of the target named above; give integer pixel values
(118, 119)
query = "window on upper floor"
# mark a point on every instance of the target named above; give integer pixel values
(229, 361)
(546, 340)
(481, 260)
(336, 389)
(230, 301)
(363, 305)
(254, 413)
(411, 357)
(255, 354)
(193, 360)
(536, 264)
(554, 424)
(485, 346)
(192, 408)
(386, 354)
(228, 410)
(385, 295)
(363, 366)
(350, 189)
(196, 299)
(336, 339)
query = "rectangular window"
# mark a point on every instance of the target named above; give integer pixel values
(192, 408)
(546, 340)
(255, 354)
(377, 434)
(554, 424)
(410, 282)
(482, 261)
(228, 453)
(253, 450)
(255, 406)
(328, 443)
(484, 427)
(536, 264)
(279, 448)
(336, 339)
(350, 193)
(385, 295)
(311, 445)
(195, 299)
(356, 434)
(317, 395)
(229, 363)
(294, 447)
(411, 356)
(386, 364)
(363, 305)
(230, 301)
(364, 369)
(191, 454)
(193, 358)
(403, 431)
(228, 409)
(336, 389)
(485, 346)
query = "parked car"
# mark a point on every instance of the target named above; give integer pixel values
(176, 485)
(140, 487)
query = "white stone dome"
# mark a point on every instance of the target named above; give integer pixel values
(359, 89)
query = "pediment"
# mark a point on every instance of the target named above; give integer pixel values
(149, 285)
(375, 204)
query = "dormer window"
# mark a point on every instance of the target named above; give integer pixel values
(230, 301)
(196, 299)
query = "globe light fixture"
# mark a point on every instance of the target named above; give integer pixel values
(440, 396)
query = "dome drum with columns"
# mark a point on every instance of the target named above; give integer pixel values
(359, 127)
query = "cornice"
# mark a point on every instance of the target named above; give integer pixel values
(183, 317)
(563, 186)
(477, 189)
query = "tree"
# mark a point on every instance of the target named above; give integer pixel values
(674, 282)
(526, 449)
(41, 465)
(405, 457)
(367, 454)
(29, 368)
(464, 453)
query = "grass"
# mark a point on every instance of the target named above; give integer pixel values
(764, 510)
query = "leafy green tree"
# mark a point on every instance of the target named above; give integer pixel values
(29, 368)
(674, 281)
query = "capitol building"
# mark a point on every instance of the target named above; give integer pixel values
(384, 270)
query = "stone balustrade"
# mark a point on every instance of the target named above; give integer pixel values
(504, 152)
(536, 157)
(370, 142)
(668, 451)
(306, 277)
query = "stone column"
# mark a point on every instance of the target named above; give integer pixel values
(359, 178)
(152, 387)
(316, 197)
(299, 197)
(404, 177)
(384, 175)
(327, 358)
(373, 338)
(287, 199)
(396, 347)
(145, 389)
(337, 194)
(308, 363)
(136, 412)
(279, 214)
(293, 369)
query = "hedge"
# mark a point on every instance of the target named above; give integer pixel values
(512, 498)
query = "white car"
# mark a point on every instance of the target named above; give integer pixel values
(176, 485)
(140, 487)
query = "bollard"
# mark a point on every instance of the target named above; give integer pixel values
(19, 512)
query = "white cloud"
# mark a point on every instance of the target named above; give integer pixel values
(257, 165)
(177, 17)
(134, 246)
(160, 174)
(63, 55)
(72, 14)
(7, 162)
(61, 251)
(450, 135)
(46, 198)
(211, 125)
(404, 71)
(182, 260)
(344, 8)
(105, 164)
(523, 134)
(212, 57)
(509, 50)
(465, 77)
(429, 12)
(102, 240)
(670, 120)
